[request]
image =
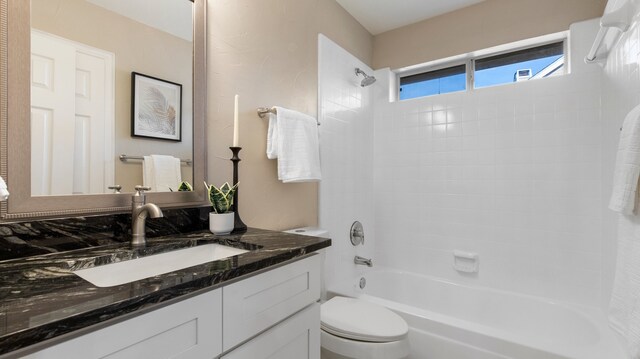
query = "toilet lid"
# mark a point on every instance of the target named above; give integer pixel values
(361, 320)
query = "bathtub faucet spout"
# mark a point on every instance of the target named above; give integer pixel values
(363, 261)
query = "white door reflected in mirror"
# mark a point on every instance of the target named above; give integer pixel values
(71, 117)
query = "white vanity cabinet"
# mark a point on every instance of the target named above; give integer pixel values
(273, 314)
(256, 305)
(298, 337)
(189, 329)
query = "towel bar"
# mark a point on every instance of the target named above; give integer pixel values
(263, 111)
(125, 158)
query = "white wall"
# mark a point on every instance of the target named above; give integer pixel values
(479, 26)
(345, 112)
(512, 172)
(266, 52)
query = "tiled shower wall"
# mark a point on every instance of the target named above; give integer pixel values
(519, 174)
(346, 153)
(512, 173)
(620, 94)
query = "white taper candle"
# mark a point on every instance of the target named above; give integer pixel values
(235, 123)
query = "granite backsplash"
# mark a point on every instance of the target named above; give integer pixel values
(25, 239)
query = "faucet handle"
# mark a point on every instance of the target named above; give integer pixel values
(139, 197)
(356, 234)
(140, 189)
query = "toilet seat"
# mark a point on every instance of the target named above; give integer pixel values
(360, 320)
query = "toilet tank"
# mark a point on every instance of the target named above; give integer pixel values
(310, 231)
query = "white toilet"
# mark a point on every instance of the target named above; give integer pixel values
(356, 329)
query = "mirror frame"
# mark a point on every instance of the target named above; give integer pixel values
(15, 143)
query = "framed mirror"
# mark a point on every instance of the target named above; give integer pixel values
(60, 152)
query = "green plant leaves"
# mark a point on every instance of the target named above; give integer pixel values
(185, 187)
(221, 199)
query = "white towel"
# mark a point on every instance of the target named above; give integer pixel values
(272, 137)
(293, 140)
(161, 173)
(4, 192)
(627, 170)
(624, 306)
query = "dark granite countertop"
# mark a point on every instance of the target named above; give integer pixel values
(41, 299)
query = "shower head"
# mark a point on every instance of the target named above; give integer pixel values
(368, 80)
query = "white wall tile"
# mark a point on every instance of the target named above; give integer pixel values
(346, 149)
(512, 174)
(620, 93)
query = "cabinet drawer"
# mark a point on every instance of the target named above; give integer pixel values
(256, 303)
(187, 329)
(297, 337)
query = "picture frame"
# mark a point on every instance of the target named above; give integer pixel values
(156, 108)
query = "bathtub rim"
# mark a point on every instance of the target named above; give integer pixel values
(596, 317)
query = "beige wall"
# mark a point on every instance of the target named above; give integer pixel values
(266, 51)
(487, 24)
(137, 47)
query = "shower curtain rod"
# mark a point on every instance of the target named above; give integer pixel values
(591, 56)
(620, 19)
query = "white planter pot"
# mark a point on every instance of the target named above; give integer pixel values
(221, 223)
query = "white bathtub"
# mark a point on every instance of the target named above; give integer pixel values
(452, 321)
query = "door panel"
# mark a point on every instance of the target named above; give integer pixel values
(73, 84)
(52, 64)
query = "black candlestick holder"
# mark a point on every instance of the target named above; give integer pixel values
(238, 225)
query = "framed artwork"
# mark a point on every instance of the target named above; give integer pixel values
(156, 108)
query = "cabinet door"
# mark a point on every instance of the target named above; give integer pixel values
(298, 337)
(259, 302)
(188, 329)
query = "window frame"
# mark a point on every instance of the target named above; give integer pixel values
(469, 60)
(434, 68)
(564, 42)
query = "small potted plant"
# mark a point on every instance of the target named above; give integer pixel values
(185, 187)
(221, 199)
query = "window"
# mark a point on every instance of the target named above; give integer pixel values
(515, 66)
(523, 65)
(445, 80)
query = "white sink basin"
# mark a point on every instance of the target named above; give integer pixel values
(109, 275)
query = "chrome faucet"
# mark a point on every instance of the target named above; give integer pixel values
(363, 261)
(139, 213)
